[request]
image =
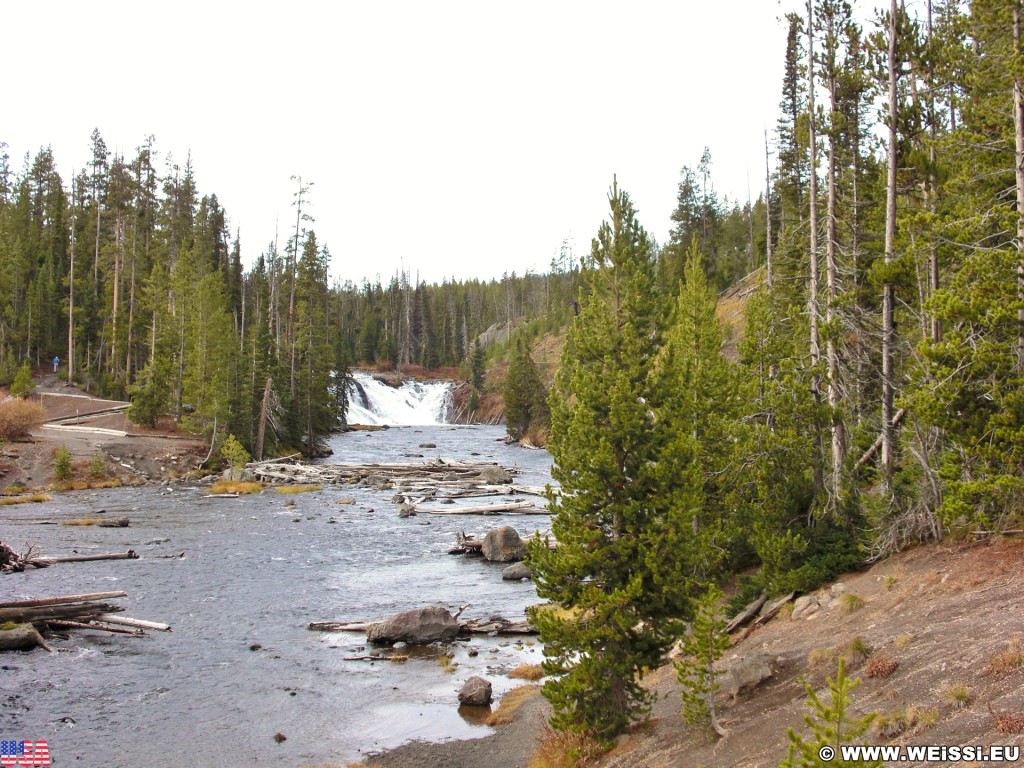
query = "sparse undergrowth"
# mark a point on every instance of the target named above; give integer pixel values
(35, 498)
(957, 695)
(564, 749)
(1007, 722)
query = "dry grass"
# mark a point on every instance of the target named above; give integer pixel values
(14, 489)
(527, 672)
(235, 486)
(904, 640)
(913, 718)
(84, 521)
(822, 657)
(856, 651)
(85, 485)
(297, 488)
(447, 663)
(35, 498)
(511, 703)
(1007, 661)
(563, 750)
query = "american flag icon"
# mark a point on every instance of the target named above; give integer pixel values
(24, 754)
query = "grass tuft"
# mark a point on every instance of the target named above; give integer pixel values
(35, 498)
(510, 704)
(856, 651)
(527, 672)
(849, 603)
(297, 488)
(84, 521)
(235, 486)
(958, 695)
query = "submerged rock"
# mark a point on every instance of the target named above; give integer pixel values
(495, 476)
(516, 572)
(419, 626)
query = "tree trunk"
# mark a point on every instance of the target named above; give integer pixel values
(813, 308)
(1018, 132)
(888, 327)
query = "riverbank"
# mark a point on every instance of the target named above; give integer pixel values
(87, 427)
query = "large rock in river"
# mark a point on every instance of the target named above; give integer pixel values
(503, 545)
(494, 476)
(418, 626)
(476, 692)
(516, 572)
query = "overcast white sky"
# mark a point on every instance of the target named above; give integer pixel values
(463, 139)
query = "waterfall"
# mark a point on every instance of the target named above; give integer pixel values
(414, 402)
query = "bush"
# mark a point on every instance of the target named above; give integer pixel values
(97, 467)
(22, 385)
(18, 417)
(234, 453)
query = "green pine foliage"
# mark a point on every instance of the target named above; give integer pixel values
(831, 725)
(525, 394)
(62, 465)
(701, 647)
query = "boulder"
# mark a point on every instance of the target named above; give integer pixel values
(503, 545)
(747, 673)
(419, 626)
(494, 476)
(805, 606)
(476, 692)
(516, 572)
(406, 510)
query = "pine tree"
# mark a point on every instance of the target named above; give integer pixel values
(610, 513)
(704, 645)
(831, 726)
(525, 394)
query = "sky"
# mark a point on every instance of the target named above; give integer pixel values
(452, 139)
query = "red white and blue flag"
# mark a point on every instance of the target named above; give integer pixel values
(24, 754)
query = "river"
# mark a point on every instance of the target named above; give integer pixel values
(240, 665)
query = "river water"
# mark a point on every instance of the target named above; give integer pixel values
(240, 665)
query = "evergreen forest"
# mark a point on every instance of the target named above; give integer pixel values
(874, 398)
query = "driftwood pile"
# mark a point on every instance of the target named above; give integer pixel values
(421, 488)
(493, 626)
(15, 562)
(21, 621)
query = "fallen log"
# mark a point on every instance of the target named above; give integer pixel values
(137, 623)
(764, 618)
(117, 522)
(129, 555)
(74, 612)
(64, 599)
(520, 507)
(746, 614)
(496, 627)
(23, 637)
(398, 657)
(66, 624)
(341, 626)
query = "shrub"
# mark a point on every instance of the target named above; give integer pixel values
(564, 749)
(1007, 661)
(22, 385)
(881, 666)
(62, 465)
(510, 704)
(18, 417)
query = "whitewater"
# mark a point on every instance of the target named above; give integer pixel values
(414, 403)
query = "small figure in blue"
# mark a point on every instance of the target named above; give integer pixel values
(56, 363)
